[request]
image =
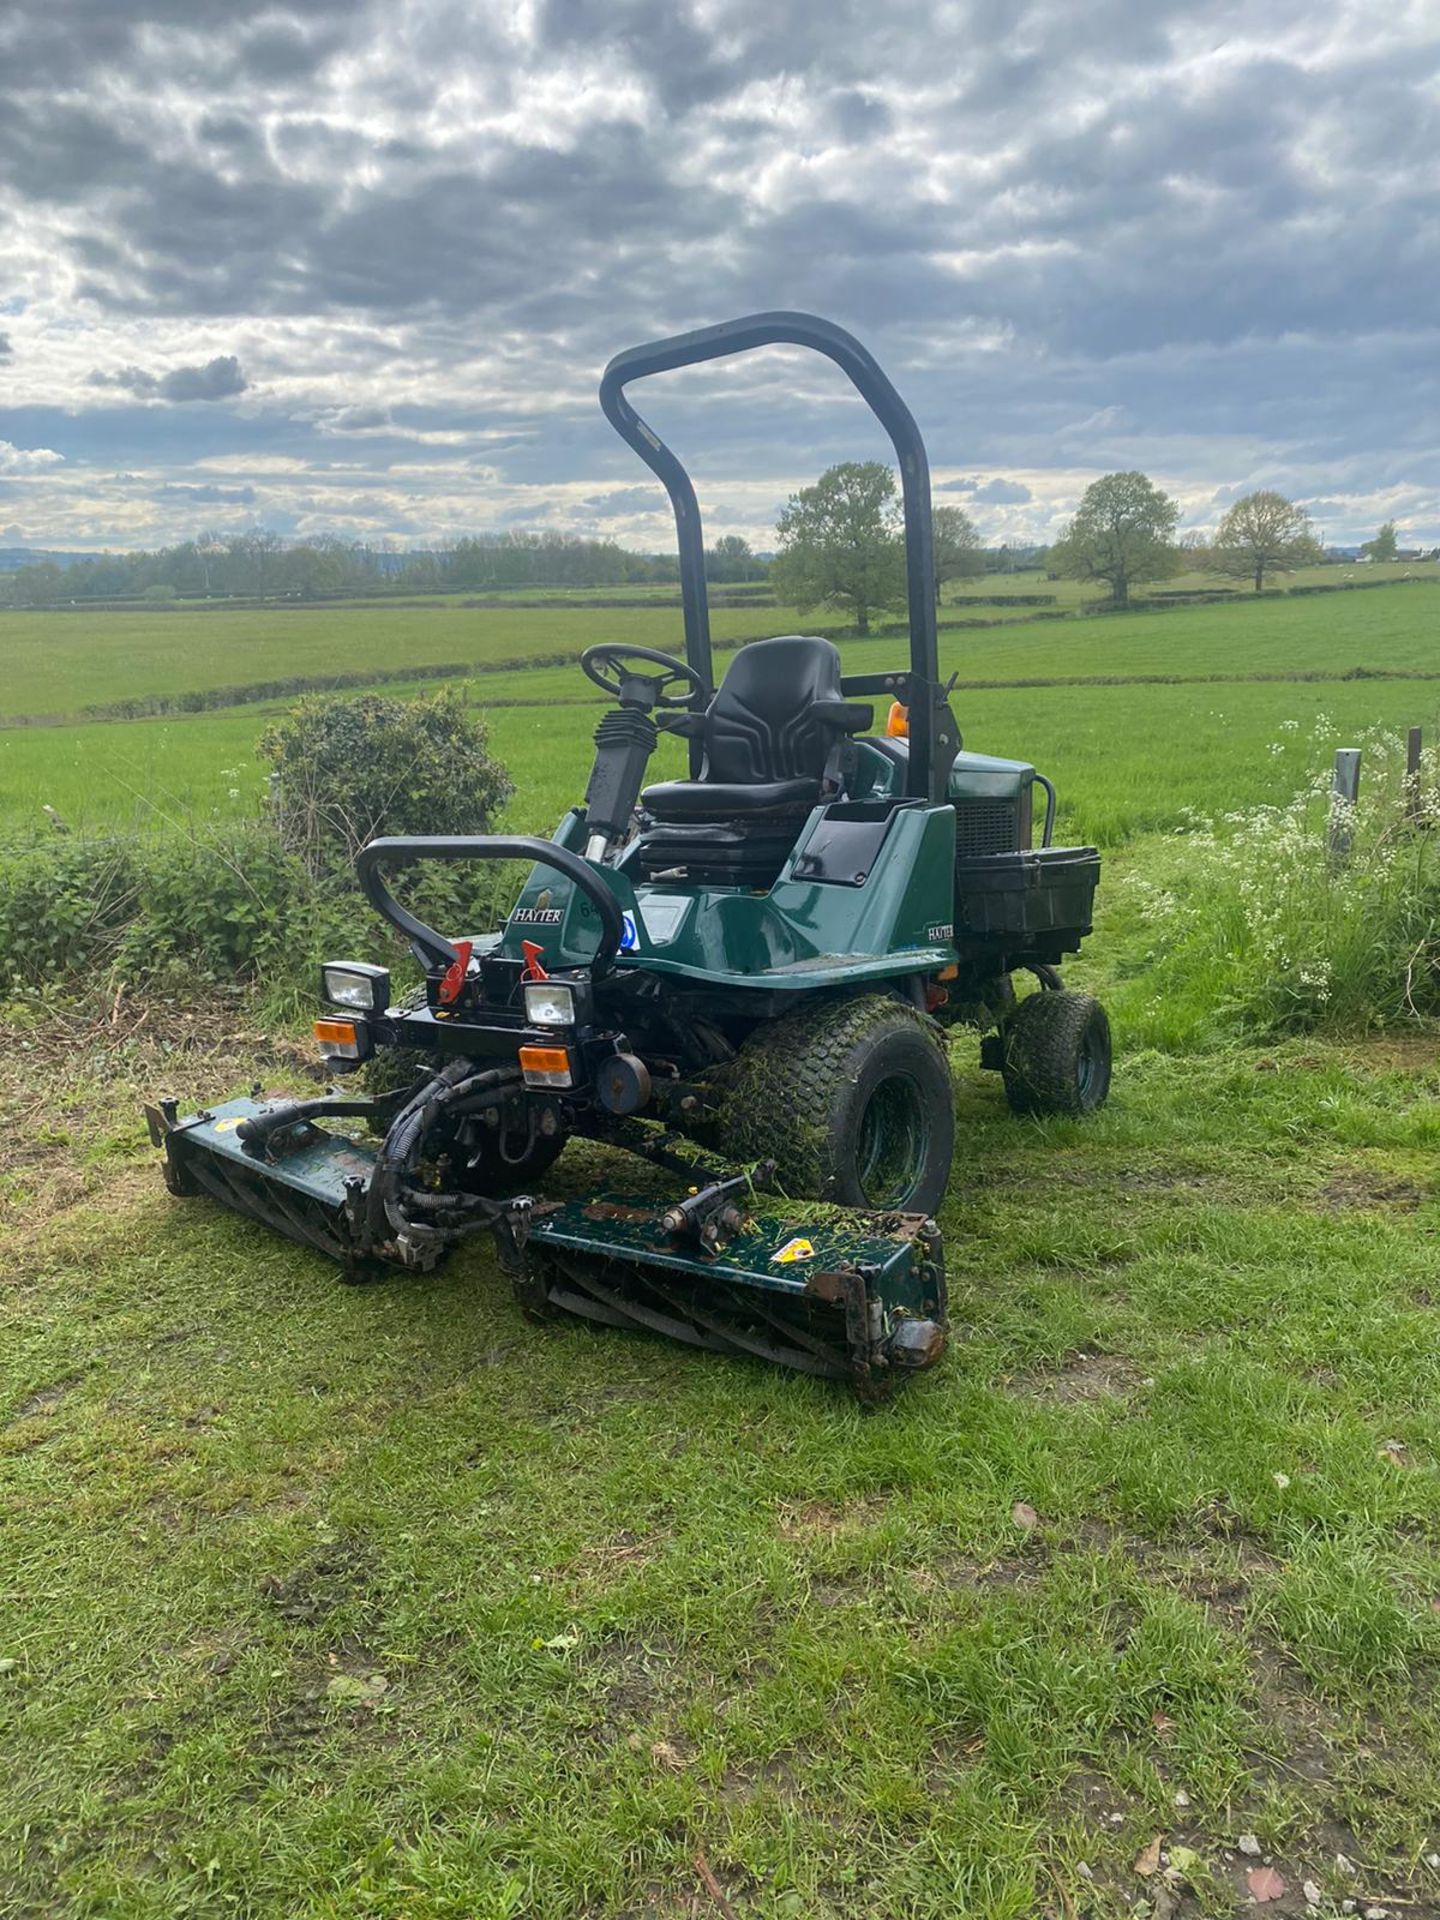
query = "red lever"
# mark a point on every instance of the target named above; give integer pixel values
(454, 979)
(533, 969)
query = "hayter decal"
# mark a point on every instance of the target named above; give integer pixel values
(536, 917)
(947, 932)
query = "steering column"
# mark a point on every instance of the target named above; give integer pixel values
(626, 736)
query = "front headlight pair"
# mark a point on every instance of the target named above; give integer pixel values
(361, 988)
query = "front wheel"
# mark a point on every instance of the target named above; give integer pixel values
(1056, 1054)
(853, 1102)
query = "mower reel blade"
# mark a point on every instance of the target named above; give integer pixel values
(859, 1298)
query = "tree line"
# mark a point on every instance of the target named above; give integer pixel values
(841, 541)
(260, 564)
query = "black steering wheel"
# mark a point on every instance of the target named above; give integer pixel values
(683, 678)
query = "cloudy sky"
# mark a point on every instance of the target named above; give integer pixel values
(336, 267)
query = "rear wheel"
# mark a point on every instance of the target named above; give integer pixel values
(1056, 1054)
(853, 1102)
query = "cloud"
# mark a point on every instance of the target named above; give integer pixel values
(1003, 493)
(622, 502)
(432, 225)
(6, 349)
(209, 496)
(218, 379)
(27, 459)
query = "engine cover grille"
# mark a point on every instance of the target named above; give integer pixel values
(986, 826)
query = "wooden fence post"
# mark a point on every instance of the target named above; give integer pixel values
(1342, 804)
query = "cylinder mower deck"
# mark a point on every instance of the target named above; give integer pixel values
(850, 1296)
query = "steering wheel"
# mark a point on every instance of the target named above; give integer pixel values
(684, 679)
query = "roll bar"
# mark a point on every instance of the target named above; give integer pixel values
(432, 949)
(870, 381)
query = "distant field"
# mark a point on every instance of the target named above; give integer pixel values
(58, 663)
(62, 662)
(1129, 757)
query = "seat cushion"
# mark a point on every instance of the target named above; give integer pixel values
(716, 800)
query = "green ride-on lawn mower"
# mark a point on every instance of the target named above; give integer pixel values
(755, 964)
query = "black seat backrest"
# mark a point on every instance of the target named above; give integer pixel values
(759, 725)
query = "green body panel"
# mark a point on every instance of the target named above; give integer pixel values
(802, 934)
(311, 1161)
(980, 776)
(620, 1227)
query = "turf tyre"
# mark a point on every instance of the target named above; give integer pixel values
(1056, 1054)
(852, 1100)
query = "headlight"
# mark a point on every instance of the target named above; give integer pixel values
(547, 1004)
(354, 983)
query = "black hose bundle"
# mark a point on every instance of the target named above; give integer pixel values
(395, 1204)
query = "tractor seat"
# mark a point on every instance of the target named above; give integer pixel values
(772, 736)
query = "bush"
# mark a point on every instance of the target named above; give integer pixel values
(347, 770)
(1257, 931)
(224, 903)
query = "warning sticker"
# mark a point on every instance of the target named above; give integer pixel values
(791, 1251)
(228, 1126)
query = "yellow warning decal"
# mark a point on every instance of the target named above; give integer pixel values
(791, 1251)
(228, 1126)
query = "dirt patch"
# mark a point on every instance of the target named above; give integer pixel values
(1082, 1377)
(827, 1519)
(335, 1577)
(1355, 1187)
(601, 1563)
(638, 1677)
(44, 1400)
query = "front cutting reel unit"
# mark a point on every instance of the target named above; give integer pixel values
(858, 1297)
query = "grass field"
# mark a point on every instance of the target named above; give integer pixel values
(1098, 741)
(61, 662)
(385, 1604)
(1129, 759)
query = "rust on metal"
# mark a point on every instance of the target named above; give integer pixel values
(828, 1287)
(613, 1210)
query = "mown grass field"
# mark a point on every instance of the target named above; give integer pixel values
(384, 1604)
(57, 663)
(1100, 742)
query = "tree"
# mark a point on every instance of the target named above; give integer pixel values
(958, 553)
(1122, 534)
(1263, 533)
(1383, 546)
(730, 559)
(840, 543)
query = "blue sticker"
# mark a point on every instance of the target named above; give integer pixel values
(629, 939)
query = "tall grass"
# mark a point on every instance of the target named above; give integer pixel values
(1251, 924)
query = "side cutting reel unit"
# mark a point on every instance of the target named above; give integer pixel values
(742, 979)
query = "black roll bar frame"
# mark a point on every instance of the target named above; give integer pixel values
(934, 737)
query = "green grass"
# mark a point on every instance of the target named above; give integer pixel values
(630, 1606)
(59, 663)
(1128, 759)
(385, 1604)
